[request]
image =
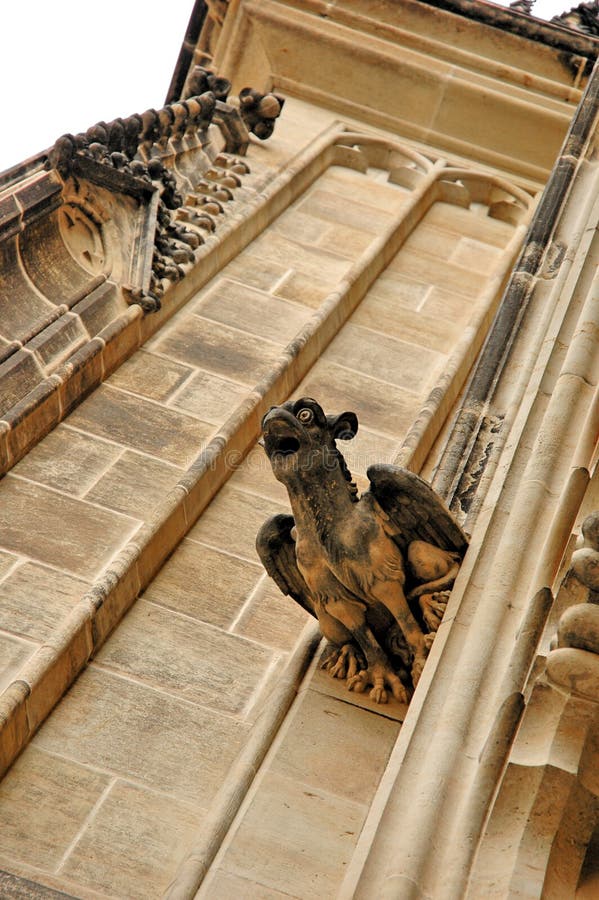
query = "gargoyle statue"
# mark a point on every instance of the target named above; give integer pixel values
(374, 570)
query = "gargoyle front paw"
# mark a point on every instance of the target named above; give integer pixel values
(418, 666)
(343, 662)
(433, 608)
(379, 677)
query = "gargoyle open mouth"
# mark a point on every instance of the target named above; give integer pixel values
(286, 446)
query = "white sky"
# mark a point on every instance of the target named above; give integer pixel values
(67, 64)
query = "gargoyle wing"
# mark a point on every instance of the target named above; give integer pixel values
(415, 510)
(276, 549)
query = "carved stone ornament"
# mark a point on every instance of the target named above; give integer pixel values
(163, 159)
(375, 570)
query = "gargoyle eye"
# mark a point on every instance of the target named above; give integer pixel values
(305, 416)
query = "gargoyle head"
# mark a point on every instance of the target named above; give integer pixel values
(299, 440)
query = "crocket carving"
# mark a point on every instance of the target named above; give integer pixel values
(375, 570)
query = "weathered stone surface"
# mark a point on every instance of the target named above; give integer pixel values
(34, 599)
(406, 365)
(19, 374)
(311, 261)
(253, 311)
(232, 520)
(579, 627)
(381, 407)
(248, 268)
(351, 752)
(67, 460)
(135, 842)
(143, 734)
(13, 653)
(419, 328)
(310, 290)
(225, 886)
(134, 484)
(149, 375)
(209, 397)
(468, 223)
(203, 583)
(271, 619)
(187, 658)
(58, 530)
(142, 425)
(219, 349)
(344, 210)
(12, 887)
(576, 670)
(58, 341)
(255, 475)
(295, 838)
(44, 801)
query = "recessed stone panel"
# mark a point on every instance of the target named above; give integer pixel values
(254, 311)
(34, 599)
(68, 460)
(142, 425)
(150, 375)
(59, 530)
(134, 844)
(232, 520)
(44, 801)
(219, 349)
(295, 838)
(134, 484)
(139, 733)
(203, 583)
(188, 658)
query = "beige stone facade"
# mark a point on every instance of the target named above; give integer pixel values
(416, 242)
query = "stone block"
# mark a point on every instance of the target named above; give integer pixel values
(253, 311)
(419, 265)
(58, 341)
(144, 426)
(336, 688)
(336, 747)
(254, 474)
(144, 735)
(307, 289)
(32, 417)
(225, 886)
(121, 337)
(272, 618)
(14, 652)
(134, 484)
(68, 461)
(219, 349)
(17, 888)
(22, 310)
(232, 520)
(19, 374)
(99, 308)
(380, 407)
(134, 843)
(417, 328)
(248, 268)
(44, 801)
(80, 374)
(408, 366)
(58, 530)
(310, 261)
(204, 584)
(35, 598)
(468, 223)
(210, 397)
(150, 376)
(295, 838)
(186, 658)
(346, 210)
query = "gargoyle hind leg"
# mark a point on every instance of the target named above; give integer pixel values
(379, 672)
(391, 594)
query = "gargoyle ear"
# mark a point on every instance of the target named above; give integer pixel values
(344, 426)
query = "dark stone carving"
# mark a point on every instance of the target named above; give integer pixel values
(584, 18)
(259, 111)
(523, 6)
(375, 570)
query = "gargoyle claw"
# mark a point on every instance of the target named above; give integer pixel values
(343, 662)
(433, 608)
(378, 678)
